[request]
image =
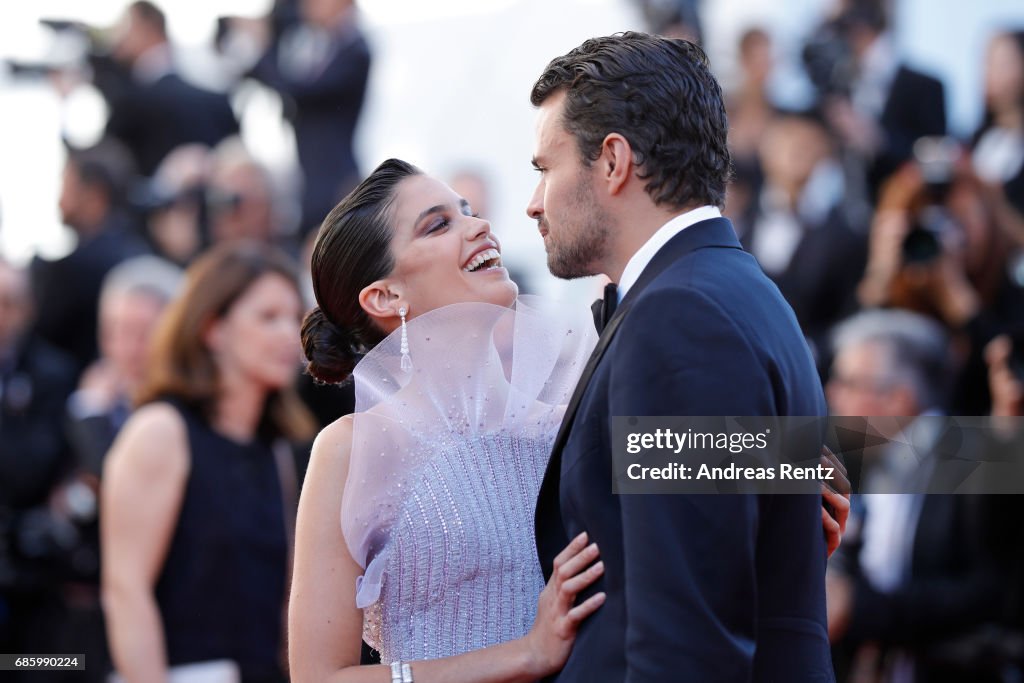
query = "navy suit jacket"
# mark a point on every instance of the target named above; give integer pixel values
(699, 587)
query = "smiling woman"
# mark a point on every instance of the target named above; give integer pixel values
(435, 562)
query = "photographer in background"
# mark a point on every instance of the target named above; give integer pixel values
(175, 207)
(935, 248)
(153, 110)
(320, 66)
(877, 105)
(240, 197)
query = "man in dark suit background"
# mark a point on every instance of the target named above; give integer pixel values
(889, 105)
(91, 204)
(152, 109)
(802, 227)
(631, 148)
(922, 575)
(320, 66)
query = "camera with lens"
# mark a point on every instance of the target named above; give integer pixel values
(76, 47)
(829, 62)
(936, 159)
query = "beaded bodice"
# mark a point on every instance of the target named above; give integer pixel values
(446, 465)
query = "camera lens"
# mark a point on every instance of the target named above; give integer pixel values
(920, 246)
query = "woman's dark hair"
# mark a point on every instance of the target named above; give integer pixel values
(183, 368)
(988, 117)
(353, 249)
(660, 95)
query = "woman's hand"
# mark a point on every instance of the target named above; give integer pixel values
(550, 640)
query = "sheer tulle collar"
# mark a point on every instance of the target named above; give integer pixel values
(477, 364)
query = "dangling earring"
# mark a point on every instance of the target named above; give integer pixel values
(406, 359)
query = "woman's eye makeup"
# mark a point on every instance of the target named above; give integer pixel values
(442, 221)
(437, 224)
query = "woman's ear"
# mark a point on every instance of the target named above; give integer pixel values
(380, 300)
(213, 334)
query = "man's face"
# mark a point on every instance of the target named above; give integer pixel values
(126, 324)
(862, 384)
(574, 226)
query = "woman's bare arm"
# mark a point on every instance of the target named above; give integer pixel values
(325, 626)
(143, 486)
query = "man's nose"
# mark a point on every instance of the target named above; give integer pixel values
(535, 209)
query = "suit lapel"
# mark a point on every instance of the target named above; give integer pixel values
(714, 232)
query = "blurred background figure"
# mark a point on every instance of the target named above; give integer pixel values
(320, 65)
(35, 381)
(1005, 358)
(92, 204)
(750, 111)
(153, 110)
(935, 248)
(998, 149)
(175, 206)
(472, 185)
(673, 18)
(801, 226)
(876, 104)
(918, 578)
(198, 494)
(134, 295)
(240, 197)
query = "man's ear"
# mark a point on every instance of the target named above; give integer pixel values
(616, 162)
(380, 300)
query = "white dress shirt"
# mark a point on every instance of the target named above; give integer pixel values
(644, 254)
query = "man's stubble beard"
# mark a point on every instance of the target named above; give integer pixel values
(587, 240)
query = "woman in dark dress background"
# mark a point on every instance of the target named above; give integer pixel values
(195, 525)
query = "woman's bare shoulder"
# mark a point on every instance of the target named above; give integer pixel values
(332, 446)
(152, 446)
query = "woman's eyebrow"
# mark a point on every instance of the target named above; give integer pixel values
(433, 209)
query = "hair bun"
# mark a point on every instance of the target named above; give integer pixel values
(331, 354)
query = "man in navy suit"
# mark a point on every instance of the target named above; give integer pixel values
(631, 150)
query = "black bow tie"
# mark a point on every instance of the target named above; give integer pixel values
(603, 309)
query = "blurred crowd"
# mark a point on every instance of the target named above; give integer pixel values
(899, 247)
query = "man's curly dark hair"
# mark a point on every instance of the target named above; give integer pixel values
(660, 95)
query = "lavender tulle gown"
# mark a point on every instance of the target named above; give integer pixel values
(446, 464)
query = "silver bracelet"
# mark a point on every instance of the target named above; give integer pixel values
(396, 672)
(406, 674)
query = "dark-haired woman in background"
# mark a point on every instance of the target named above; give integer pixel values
(195, 515)
(998, 152)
